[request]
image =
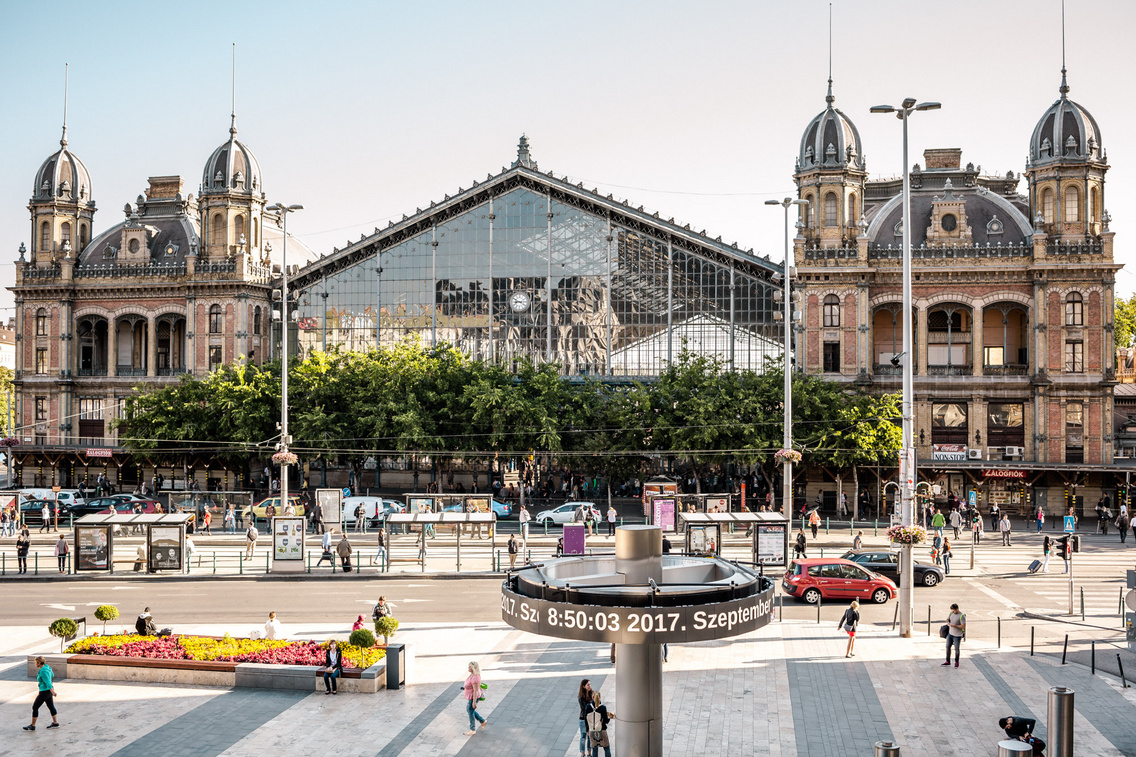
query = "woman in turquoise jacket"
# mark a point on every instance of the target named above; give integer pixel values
(46, 682)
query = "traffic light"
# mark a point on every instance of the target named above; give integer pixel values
(1063, 546)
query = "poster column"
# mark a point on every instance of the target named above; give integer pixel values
(287, 544)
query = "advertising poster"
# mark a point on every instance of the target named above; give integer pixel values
(717, 504)
(664, 513)
(575, 538)
(704, 540)
(288, 538)
(331, 505)
(481, 503)
(771, 543)
(421, 505)
(165, 548)
(92, 548)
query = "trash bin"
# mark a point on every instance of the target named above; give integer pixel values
(886, 749)
(1011, 748)
(396, 665)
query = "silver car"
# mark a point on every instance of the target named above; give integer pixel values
(566, 513)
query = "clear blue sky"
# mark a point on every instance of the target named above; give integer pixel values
(365, 111)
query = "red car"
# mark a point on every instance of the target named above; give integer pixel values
(831, 578)
(148, 507)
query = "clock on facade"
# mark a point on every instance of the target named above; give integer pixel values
(520, 301)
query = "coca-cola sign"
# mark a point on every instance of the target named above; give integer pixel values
(1003, 473)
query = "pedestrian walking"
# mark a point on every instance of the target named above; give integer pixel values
(514, 548)
(956, 632)
(977, 527)
(598, 717)
(332, 668)
(251, 535)
(524, 518)
(858, 541)
(45, 515)
(584, 698)
(380, 549)
(471, 690)
(1122, 526)
(230, 520)
(814, 522)
(61, 553)
(848, 622)
(1046, 548)
(938, 522)
(612, 515)
(956, 522)
(800, 545)
(327, 542)
(45, 680)
(994, 517)
(1004, 528)
(1040, 519)
(344, 550)
(382, 608)
(360, 518)
(206, 521)
(945, 555)
(23, 546)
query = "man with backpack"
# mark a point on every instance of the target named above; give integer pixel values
(251, 535)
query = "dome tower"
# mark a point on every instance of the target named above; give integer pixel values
(231, 200)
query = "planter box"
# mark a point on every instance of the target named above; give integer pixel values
(202, 673)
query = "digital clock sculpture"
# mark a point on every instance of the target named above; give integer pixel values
(639, 599)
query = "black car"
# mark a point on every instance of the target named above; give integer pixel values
(91, 506)
(887, 564)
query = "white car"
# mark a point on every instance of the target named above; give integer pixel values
(566, 513)
(375, 508)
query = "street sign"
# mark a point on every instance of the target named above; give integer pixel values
(972, 496)
(1070, 524)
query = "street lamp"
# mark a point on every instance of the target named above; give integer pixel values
(787, 310)
(285, 315)
(907, 465)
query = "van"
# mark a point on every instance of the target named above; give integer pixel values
(374, 508)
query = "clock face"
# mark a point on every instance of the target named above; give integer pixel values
(519, 301)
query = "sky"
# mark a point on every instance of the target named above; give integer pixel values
(365, 111)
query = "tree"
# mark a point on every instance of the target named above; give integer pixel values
(1124, 317)
(364, 640)
(63, 629)
(105, 613)
(385, 627)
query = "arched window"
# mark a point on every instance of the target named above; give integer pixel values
(215, 319)
(809, 212)
(1072, 205)
(831, 311)
(255, 233)
(64, 233)
(1047, 209)
(45, 237)
(84, 235)
(256, 320)
(239, 229)
(850, 218)
(830, 209)
(1094, 214)
(217, 229)
(1074, 309)
(41, 322)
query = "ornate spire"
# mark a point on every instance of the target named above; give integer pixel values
(829, 97)
(523, 156)
(63, 139)
(233, 123)
(1064, 88)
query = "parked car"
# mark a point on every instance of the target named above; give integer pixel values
(149, 507)
(31, 511)
(91, 506)
(259, 508)
(376, 509)
(815, 578)
(65, 497)
(501, 509)
(565, 513)
(886, 563)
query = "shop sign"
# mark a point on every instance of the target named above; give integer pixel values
(1003, 473)
(948, 452)
(98, 452)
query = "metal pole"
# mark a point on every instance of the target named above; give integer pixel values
(1093, 658)
(1032, 629)
(1120, 665)
(1064, 649)
(999, 632)
(1059, 722)
(787, 314)
(906, 567)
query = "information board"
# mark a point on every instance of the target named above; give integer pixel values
(92, 548)
(575, 538)
(772, 543)
(420, 505)
(703, 540)
(330, 502)
(287, 538)
(166, 547)
(663, 512)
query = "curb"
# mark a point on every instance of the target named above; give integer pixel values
(182, 578)
(1056, 619)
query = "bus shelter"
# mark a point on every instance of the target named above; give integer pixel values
(164, 539)
(217, 503)
(436, 503)
(663, 509)
(427, 523)
(769, 532)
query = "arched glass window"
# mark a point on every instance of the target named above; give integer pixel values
(64, 233)
(1072, 205)
(1047, 209)
(1074, 309)
(808, 212)
(84, 235)
(41, 322)
(255, 233)
(831, 311)
(1094, 215)
(830, 206)
(215, 322)
(45, 236)
(217, 229)
(238, 229)
(256, 320)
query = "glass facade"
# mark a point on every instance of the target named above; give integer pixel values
(524, 274)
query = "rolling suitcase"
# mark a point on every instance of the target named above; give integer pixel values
(1034, 566)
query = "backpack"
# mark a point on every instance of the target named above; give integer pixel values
(595, 725)
(378, 612)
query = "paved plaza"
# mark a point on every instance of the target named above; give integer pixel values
(785, 690)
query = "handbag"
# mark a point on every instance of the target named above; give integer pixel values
(944, 631)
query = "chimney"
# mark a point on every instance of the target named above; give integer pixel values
(943, 157)
(163, 187)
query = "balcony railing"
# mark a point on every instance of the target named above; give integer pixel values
(1091, 247)
(128, 370)
(1010, 369)
(887, 369)
(132, 270)
(956, 337)
(833, 253)
(923, 252)
(172, 371)
(948, 370)
(92, 371)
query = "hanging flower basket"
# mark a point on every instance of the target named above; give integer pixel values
(9, 441)
(783, 456)
(907, 534)
(285, 458)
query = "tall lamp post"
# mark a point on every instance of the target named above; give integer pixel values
(907, 465)
(787, 316)
(285, 315)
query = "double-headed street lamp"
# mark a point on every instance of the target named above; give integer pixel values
(285, 316)
(787, 315)
(907, 466)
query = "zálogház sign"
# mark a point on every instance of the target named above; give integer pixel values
(1003, 473)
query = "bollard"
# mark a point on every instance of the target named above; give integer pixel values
(999, 632)
(781, 608)
(852, 527)
(1032, 629)
(1082, 604)
(826, 524)
(241, 556)
(928, 620)
(1064, 649)
(876, 529)
(1120, 605)
(895, 618)
(3, 565)
(822, 552)
(1119, 664)
(886, 749)
(818, 610)
(1093, 658)
(1059, 722)
(214, 562)
(36, 564)
(972, 556)
(267, 563)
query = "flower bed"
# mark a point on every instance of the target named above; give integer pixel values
(226, 649)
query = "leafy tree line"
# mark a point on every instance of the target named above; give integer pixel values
(410, 399)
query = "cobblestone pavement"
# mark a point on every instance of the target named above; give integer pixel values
(786, 690)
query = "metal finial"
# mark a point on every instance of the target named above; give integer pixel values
(63, 140)
(829, 97)
(1064, 88)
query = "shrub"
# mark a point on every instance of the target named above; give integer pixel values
(105, 613)
(385, 627)
(63, 629)
(363, 639)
